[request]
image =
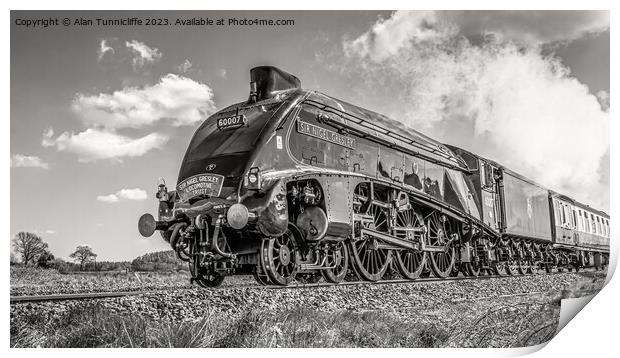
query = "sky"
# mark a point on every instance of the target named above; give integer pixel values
(99, 113)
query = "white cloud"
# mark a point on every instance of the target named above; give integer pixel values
(45, 232)
(388, 36)
(95, 144)
(124, 195)
(603, 98)
(103, 49)
(184, 67)
(499, 99)
(142, 54)
(26, 161)
(175, 99)
(416, 28)
(530, 27)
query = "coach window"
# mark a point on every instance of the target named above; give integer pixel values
(608, 230)
(575, 222)
(564, 216)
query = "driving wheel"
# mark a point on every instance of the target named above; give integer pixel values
(439, 231)
(409, 263)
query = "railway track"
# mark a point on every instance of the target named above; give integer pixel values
(115, 294)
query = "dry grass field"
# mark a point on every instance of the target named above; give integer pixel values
(473, 317)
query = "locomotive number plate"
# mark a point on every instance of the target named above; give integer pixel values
(201, 184)
(232, 122)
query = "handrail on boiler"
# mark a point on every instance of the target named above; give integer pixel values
(459, 164)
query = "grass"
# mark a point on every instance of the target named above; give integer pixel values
(31, 280)
(37, 276)
(500, 322)
(94, 326)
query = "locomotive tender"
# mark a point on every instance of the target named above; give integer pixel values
(294, 184)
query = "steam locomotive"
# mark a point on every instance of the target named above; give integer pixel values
(297, 185)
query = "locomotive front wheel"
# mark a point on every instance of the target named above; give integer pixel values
(259, 274)
(279, 258)
(439, 230)
(262, 280)
(338, 260)
(210, 281)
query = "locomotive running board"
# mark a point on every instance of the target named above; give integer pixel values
(405, 244)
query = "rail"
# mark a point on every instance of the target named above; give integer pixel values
(116, 294)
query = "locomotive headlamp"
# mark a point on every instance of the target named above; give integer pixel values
(254, 179)
(237, 216)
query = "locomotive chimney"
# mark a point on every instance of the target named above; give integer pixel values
(266, 81)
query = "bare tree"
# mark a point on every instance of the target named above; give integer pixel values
(29, 246)
(83, 254)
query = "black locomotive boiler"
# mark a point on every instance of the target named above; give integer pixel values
(293, 184)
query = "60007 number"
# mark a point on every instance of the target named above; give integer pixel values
(231, 122)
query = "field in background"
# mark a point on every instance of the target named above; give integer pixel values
(35, 281)
(30, 281)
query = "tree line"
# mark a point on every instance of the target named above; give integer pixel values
(31, 250)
